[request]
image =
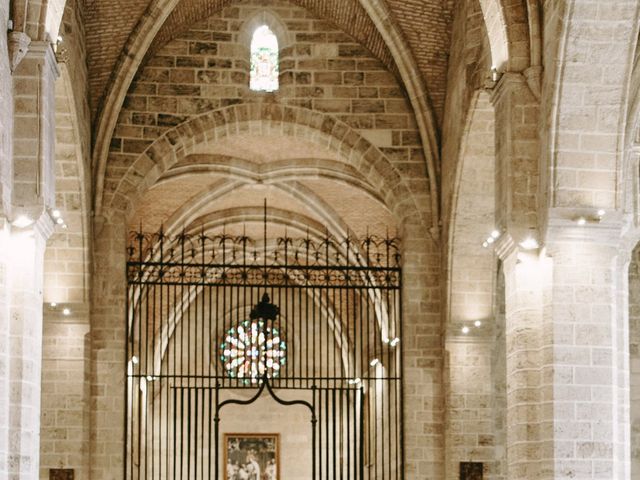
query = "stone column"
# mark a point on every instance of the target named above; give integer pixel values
(24, 270)
(34, 131)
(585, 353)
(472, 397)
(108, 351)
(4, 348)
(517, 151)
(23, 262)
(422, 350)
(64, 434)
(525, 274)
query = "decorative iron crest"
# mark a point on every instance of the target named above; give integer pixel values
(241, 260)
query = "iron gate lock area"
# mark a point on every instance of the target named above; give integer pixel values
(311, 324)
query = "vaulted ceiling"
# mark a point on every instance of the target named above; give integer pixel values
(425, 24)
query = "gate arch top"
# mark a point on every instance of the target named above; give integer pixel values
(323, 130)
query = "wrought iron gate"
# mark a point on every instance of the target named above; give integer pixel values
(218, 320)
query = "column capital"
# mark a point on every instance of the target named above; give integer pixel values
(42, 50)
(508, 82)
(585, 225)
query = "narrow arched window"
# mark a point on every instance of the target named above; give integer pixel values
(264, 60)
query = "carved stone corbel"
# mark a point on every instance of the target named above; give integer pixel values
(18, 46)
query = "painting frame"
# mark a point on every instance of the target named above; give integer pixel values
(251, 438)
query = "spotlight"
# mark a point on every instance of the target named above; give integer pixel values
(485, 244)
(374, 362)
(490, 240)
(495, 234)
(530, 243)
(53, 304)
(59, 221)
(465, 330)
(477, 323)
(56, 214)
(581, 221)
(149, 378)
(66, 312)
(22, 221)
(601, 213)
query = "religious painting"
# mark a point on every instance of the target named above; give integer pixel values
(251, 456)
(471, 470)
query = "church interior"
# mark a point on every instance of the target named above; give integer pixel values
(320, 239)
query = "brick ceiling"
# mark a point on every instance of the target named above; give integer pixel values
(425, 24)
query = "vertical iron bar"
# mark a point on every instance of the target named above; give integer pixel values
(362, 433)
(313, 434)
(216, 422)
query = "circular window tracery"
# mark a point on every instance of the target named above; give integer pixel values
(252, 350)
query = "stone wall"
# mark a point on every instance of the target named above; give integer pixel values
(64, 434)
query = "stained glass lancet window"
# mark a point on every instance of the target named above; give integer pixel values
(264, 60)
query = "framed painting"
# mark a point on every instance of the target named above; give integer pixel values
(471, 471)
(251, 456)
(61, 474)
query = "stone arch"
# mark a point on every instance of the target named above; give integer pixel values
(509, 32)
(602, 78)
(142, 37)
(321, 129)
(269, 18)
(67, 263)
(470, 264)
(332, 221)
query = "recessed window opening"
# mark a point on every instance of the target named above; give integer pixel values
(264, 60)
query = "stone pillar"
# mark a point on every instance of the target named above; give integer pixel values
(422, 350)
(22, 261)
(34, 131)
(64, 434)
(108, 351)
(517, 174)
(472, 398)
(585, 354)
(525, 276)
(517, 151)
(24, 269)
(4, 348)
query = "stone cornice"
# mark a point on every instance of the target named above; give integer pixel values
(563, 226)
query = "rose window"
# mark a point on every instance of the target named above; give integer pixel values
(252, 350)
